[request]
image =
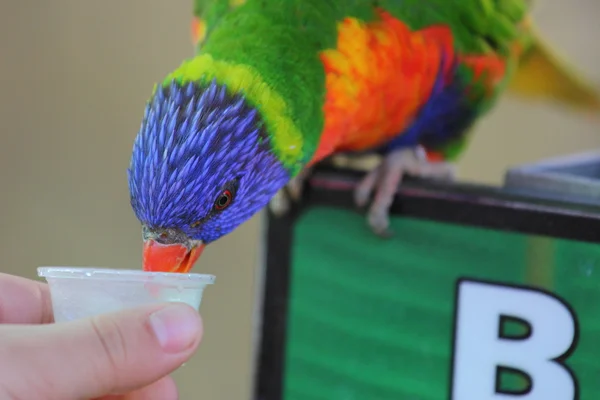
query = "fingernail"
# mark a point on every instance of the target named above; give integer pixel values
(176, 327)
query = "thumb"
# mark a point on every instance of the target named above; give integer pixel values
(113, 353)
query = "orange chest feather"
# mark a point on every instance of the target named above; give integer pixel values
(377, 78)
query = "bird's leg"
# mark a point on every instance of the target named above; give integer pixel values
(384, 181)
(280, 203)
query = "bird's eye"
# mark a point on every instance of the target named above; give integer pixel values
(224, 200)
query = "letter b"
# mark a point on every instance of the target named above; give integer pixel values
(480, 350)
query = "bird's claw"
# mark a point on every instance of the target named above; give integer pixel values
(385, 179)
(281, 203)
(380, 223)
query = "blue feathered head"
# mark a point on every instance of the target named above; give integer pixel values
(202, 164)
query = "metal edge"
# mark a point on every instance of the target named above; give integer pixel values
(557, 162)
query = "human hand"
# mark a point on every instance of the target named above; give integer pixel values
(130, 352)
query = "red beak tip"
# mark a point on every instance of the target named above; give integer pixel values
(176, 258)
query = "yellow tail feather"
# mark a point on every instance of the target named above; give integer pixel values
(542, 75)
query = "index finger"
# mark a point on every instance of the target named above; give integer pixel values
(24, 301)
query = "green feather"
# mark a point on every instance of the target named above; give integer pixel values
(280, 41)
(478, 26)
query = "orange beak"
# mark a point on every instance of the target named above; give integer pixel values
(160, 257)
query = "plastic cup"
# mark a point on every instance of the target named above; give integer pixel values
(83, 292)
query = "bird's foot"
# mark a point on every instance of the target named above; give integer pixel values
(280, 204)
(384, 181)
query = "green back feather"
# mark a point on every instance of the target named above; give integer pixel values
(280, 40)
(479, 26)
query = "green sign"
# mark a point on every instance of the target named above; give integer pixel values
(439, 311)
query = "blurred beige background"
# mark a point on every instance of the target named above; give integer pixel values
(75, 76)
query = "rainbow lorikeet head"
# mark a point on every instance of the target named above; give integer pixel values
(201, 165)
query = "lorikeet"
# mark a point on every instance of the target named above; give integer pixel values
(278, 85)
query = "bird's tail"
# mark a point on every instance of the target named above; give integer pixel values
(542, 74)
